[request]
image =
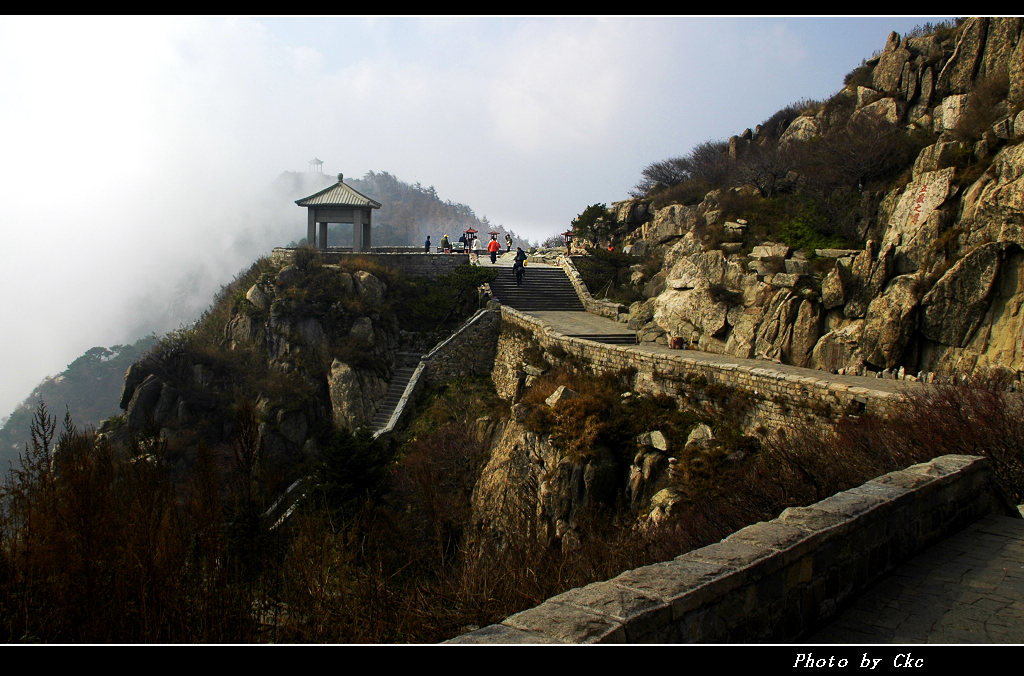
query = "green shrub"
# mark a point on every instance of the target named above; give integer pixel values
(982, 109)
(860, 76)
(688, 192)
(585, 224)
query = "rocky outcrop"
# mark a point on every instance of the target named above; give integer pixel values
(527, 486)
(310, 348)
(355, 395)
(935, 285)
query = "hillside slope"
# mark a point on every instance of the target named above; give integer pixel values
(878, 231)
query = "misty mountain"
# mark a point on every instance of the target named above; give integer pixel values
(89, 388)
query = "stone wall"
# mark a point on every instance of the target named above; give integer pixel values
(414, 263)
(777, 398)
(602, 308)
(470, 350)
(772, 581)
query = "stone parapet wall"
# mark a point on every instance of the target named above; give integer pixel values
(777, 398)
(411, 263)
(602, 308)
(470, 350)
(772, 581)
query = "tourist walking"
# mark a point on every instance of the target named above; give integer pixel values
(518, 270)
(508, 242)
(426, 247)
(445, 244)
(493, 247)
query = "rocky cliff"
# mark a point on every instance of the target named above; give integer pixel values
(309, 346)
(925, 276)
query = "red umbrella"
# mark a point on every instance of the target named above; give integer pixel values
(493, 232)
(470, 231)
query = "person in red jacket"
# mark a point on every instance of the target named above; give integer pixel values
(493, 247)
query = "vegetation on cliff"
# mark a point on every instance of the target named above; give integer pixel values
(832, 234)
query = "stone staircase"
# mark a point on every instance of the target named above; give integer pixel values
(396, 388)
(543, 289)
(626, 338)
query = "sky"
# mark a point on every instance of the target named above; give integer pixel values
(136, 153)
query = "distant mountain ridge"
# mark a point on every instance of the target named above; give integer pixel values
(88, 388)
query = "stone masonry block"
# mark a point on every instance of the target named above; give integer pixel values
(683, 585)
(849, 504)
(501, 633)
(733, 554)
(639, 613)
(810, 518)
(568, 624)
(788, 540)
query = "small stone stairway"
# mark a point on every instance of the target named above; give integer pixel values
(608, 338)
(396, 388)
(543, 289)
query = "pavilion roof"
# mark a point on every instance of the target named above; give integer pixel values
(338, 195)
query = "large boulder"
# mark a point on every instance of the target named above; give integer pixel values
(839, 348)
(993, 207)
(806, 331)
(887, 73)
(671, 222)
(803, 128)
(630, 212)
(141, 409)
(368, 288)
(883, 110)
(696, 306)
(957, 75)
(355, 395)
(833, 294)
(916, 221)
(955, 305)
(936, 156)
(868, 273)
(776, 331)
(891, 321)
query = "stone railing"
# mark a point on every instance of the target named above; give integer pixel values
(412, 262)
(772, 581)
(777, 397)
(603, 308)
(469, 350)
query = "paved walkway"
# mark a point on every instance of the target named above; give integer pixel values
(578, 323)
(969, 588)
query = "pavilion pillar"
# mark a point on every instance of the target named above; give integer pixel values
(357, 232)
(323, 236)
(367, 245)
(310, 227)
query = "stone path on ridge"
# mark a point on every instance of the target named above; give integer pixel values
(968, 588)
(582, 323)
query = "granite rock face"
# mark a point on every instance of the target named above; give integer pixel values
(934, 286)
(337, 349)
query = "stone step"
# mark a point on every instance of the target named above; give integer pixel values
(396, 388)
(541, 289)
(610, 338)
